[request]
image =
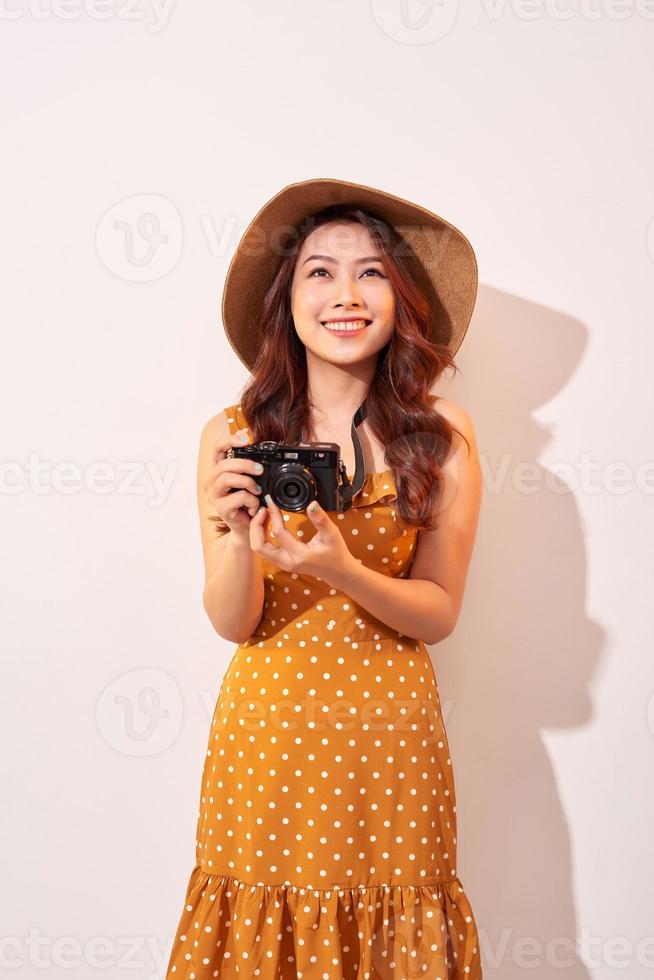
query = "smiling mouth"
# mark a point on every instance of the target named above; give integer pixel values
(344, 328)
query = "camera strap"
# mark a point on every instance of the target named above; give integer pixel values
(352, 489)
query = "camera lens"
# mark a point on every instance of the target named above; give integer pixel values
(293, 487)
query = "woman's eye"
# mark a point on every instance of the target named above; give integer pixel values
(321, 269)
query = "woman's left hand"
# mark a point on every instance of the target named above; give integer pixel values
(326, 555)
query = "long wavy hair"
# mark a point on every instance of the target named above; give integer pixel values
(275, 400)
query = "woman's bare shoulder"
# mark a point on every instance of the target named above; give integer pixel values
(457, 416)
(217, 427)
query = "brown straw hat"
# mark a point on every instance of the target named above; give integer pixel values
(444, 254)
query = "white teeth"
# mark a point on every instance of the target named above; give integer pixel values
(348, 326)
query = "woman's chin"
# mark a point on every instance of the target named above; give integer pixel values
(348, 356)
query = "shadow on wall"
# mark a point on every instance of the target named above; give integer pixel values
(523, 655)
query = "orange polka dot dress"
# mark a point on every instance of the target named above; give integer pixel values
(326, 834)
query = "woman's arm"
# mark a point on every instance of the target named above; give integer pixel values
(414, 607)
(426, 604)
(233, 593)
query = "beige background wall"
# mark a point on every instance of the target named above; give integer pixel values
(137, 143)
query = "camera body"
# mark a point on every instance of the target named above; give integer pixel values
(295, 475)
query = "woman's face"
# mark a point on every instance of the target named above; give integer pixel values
(339, 275)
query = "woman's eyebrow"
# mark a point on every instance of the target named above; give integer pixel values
(329, 258)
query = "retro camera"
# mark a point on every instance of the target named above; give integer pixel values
(295, 475)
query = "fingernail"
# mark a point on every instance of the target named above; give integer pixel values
(258, 486)
(243, 438)
(267, 499)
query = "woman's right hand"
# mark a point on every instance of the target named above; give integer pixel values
(238, 475)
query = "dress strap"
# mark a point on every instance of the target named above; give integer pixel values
(235, 418)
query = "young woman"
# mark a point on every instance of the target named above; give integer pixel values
(326, 838)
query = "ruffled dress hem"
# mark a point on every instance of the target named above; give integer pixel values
(235, 928)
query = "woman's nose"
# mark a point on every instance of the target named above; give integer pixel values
(347, 290)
